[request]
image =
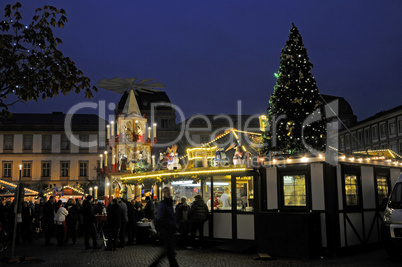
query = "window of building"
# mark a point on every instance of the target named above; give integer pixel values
(399, 126)
(383, 130)
(205, 139)
(164, 123)
(347, 140)
(46, 142)
(8, 142)
(102, 142)
(65, 143)
(353, 139)
(26, 169)
(400, 147)
(84, 140)
(360, 138)
(45, 169)
(65, 168)
(221, 193)
(7, 169)
(382, 189)
(342, 142)
(294, 190)
(392, 128)
(83, 169)
(245, 193)
(27, 142)
(374, 132)
(367, 136)
(351, 190)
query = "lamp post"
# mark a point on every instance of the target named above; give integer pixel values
(16, 201)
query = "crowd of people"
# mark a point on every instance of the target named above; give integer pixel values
(64, 222)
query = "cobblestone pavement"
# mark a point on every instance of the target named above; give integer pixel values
(142, 255)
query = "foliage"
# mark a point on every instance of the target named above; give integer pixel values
(31, 66)
(295, 98)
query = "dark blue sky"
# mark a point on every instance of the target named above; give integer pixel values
(211, 53)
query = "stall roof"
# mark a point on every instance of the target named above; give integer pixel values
(14, 185)
(183, 172)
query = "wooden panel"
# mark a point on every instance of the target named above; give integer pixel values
(317, 186)
(272, 188)
(368, 188)
(223, 225)
(351, 236)
(340, 189)
(245, 226)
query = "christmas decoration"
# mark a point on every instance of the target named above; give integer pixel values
(295, 98)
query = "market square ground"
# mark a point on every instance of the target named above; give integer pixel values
(142, 255)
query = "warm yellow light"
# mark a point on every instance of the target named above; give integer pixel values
(352, 159)
(360, 159)
(160, 174)
(105, 152)
(304, 159)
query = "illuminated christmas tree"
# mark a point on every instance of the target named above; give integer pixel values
(294, 99)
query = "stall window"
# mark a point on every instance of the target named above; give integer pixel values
(46, 169)
(351, 190)
(187, 188)
(245, 193)
(7, 167)
(294, 190)
(382, 188)
(222, 195)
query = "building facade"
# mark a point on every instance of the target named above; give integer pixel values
(381, 131)
(46, 153)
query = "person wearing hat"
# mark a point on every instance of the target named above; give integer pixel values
(197, 215)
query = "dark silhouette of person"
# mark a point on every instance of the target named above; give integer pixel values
(89, 212)
(48, 220)
(167, 228)
(114, 217)
(197, 215)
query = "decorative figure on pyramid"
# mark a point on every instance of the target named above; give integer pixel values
(129, 144)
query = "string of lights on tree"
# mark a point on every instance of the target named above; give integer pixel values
(295, 96)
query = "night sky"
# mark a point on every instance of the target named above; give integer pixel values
(210, 54)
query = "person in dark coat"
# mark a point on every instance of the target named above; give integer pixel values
(26, 225)
(48, 220)
(197, 215)
(71, 220)
(181, 212)
(89, 212)
(149, 210)
(139, 212)
(131, 224)
(167, 228)
(123, 224)
(114, 217)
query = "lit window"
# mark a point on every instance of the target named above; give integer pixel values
(351, 190)
(245, 193)
(382, 189)
(294, 190)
